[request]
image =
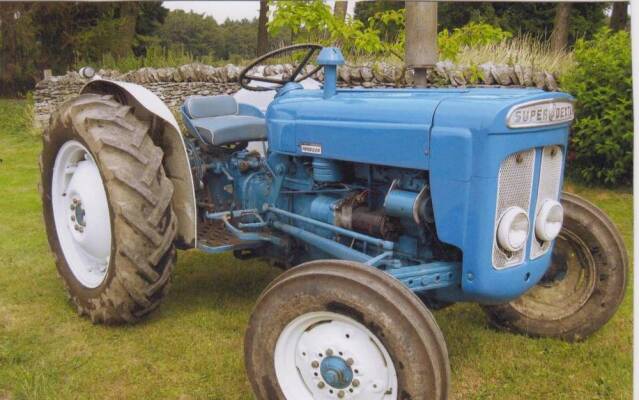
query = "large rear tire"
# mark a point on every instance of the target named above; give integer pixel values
(337, 329)
(584, 285)
(107, 209)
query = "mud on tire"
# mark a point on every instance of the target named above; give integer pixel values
(139, 196)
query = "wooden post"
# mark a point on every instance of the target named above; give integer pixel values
(421, 38)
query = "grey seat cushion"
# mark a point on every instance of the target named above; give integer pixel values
(211, 106)
(219, 121)
(230, 129)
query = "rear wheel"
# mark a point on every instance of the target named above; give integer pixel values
(107, 209)
(336, 329)
(584, 285)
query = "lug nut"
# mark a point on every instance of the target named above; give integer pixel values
(314, 364)
(72, 207)
(340, 394)
(76, 201)
(329, 352)
(355, 382)
(350, 362)
(73, 218)
(320, 385)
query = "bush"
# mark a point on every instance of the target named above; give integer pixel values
(600, 148)
(470, 35)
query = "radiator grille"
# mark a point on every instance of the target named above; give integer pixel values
(514, 189)
(549, 185)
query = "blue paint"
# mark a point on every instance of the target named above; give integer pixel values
(400, 203)
(336, 372)
(327, 147)
(326, 170)
(330, 58)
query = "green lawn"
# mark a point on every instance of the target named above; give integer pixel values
(191, 348)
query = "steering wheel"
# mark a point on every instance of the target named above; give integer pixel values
(245, 79)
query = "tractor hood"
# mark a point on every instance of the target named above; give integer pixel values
(391, 126)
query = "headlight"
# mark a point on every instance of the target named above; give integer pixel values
(550, 218)
(512, 230)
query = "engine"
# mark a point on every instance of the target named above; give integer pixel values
(391, 204)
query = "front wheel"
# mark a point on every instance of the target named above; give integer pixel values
(584, 285)
(336, 329)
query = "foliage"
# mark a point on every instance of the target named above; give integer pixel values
(18, 49)
(471, 35)
(530, 18)
(601, 143)
(522, 50)
(46, 35)
(156, 56)
(195, 33)
(313, 21)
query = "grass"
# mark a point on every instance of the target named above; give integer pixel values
(523, 50)
(191, 348)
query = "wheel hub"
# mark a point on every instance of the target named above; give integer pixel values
(324, 355)
(81, 214)
(336, 372)
(566, 286)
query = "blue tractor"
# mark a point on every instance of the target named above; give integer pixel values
(380, 204)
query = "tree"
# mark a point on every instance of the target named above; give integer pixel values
(619, 16)
(262, 29)
(18, 49)
(197, 34)
(532, 18)
(559, 36)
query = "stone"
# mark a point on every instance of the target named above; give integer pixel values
(539, 79)
(173, 85)
(344, 73)
(366, 73)
(502, 74)
(551, 82)
(456, 76)
(232, 72)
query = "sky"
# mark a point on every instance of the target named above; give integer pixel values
(221, 10)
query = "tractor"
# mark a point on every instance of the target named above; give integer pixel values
(379, 204)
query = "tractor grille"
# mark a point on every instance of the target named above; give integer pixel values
(549, 186)
(514, 189)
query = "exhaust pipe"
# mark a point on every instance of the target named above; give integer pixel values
(421, 38)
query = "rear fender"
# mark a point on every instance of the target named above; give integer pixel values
(176, 160)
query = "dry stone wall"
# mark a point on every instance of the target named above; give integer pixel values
(173, 85)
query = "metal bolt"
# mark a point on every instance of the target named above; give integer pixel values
(314, 364)
(329, 352)
(355, 382)
(350, 362)
(321, 384)
(340, 394)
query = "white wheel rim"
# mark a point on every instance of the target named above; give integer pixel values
(81, 214)
(314, 341)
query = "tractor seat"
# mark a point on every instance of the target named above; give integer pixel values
(219, 120)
